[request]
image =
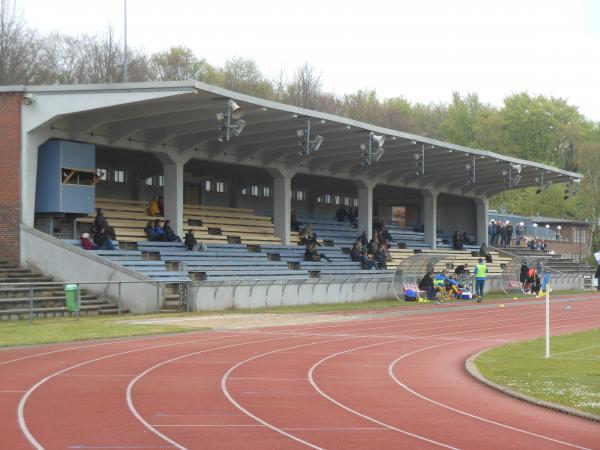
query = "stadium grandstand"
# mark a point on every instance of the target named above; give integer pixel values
(238, 171)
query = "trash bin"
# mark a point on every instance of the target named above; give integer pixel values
(72, 294)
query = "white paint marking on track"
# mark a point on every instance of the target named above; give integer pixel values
(21, 408)
(248, 413)
(473, 416)
(132, 383)
(353, 411)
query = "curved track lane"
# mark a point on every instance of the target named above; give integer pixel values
(391, 379)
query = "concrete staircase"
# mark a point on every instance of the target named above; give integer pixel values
(556, 263)
(48, 299)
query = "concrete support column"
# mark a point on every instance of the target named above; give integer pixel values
(282, 203)
(365, 206)
(173, 165)
(482, 205)
(430, 217)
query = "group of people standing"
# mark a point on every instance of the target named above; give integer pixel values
(501, 233)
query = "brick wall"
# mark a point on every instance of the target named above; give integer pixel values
(10, 164)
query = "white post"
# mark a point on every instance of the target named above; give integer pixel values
(282, 208)
(547, 320)
(282, 204)
(173, 195)
(430, 217)
(482, 205)
(365, 207)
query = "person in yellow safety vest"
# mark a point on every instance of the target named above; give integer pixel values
(480, 275)
(439, 283)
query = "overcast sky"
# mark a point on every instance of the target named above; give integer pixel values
(422, 50)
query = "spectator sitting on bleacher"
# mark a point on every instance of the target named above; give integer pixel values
(86, 242)
(485, 252)
(373, 244)
(341, 214)
(151, 234)
(170, 235)
(377, 224)
(100, 222)
(457, 242)
(353, 216)
(192, 244)
(153, 209)
(364, 240)
(294, 220)
(307, 236)
(366, 263)
(382, 256)
(426, 285)
(161, 206)
(385, 234)
(356, 251)
(102, 240)
(312, 254)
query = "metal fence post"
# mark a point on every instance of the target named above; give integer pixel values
(31, 304)
(157, 298)
(119, 299)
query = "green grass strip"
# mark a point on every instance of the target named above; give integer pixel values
(570, 377)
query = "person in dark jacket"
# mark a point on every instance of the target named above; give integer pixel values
(426, 285)
(312, 253)
(170, 235)
(190, 240)
(341, 214)
(356, 251)
(524, 273)
(366, 263)
(151, 234)
(364, 239)
(485, 252)
(102, 240)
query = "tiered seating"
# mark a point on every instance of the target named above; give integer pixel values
(226, 262)
(133, 260)
(340, 264)
(210, 223)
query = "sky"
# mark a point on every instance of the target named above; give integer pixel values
(422, 50)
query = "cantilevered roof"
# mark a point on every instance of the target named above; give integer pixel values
(180, 118)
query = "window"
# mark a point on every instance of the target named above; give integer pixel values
(220, 186)
(149, 181)
(208, 185)
(319, 199)
(299, 195)
(346, 201)
(327, 198)
(266, 191)
(119, 176)
(251, 190)
(102, 174)
(355, 202)
(337, 199)
(161, 180)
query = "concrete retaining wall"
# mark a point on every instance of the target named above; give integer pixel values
(208, 296)
(68, 263)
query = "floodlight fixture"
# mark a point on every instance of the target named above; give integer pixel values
(233, 111)
(308, 146)
(28, 99)
(471, 177)
(420, 161)
(511, 181)
(369, 154)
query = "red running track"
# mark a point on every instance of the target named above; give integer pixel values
(384, 380)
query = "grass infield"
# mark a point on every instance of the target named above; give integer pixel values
(46, 331)
(571, 376)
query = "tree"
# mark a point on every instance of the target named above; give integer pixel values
(19, 47)
(588, 159)
(243, 75)
(180, 63)
(304, 89)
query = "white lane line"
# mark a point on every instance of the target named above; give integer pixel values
(122, 341)
(248, 413)
(132, 383)
(258, 425)
(443, 405)
(353, 411)
(21, 408)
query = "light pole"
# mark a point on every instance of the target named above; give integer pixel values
(558, 232)
(546, 232)
(125, 62)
